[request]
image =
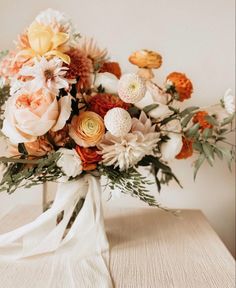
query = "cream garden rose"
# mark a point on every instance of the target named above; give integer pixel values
(28, 116)
(87, 129)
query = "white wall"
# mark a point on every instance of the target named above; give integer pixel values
(195, 37)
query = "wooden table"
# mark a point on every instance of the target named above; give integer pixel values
(154, 249)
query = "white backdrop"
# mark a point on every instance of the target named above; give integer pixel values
(195, 37)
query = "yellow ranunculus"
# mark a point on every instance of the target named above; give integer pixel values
(87, 129)
(44, 41)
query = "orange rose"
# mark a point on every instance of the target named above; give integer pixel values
(200, 117)
(102, 103)
(182, 84)
(87, 129)
(187, 149)
(111, 67)
(89, 157)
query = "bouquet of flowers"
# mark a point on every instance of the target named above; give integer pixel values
(67, 111)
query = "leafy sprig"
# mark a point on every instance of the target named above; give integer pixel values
(130, 182)
(29, 172)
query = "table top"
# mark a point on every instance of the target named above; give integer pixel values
(150, 248)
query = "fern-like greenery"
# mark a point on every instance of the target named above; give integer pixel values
(27, 173)
(130, 182)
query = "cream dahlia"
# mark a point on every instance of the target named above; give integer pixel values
(46, 74)
(131, 88)
(127, 151)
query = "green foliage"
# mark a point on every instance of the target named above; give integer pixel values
(157, 166)
(4, 94)
(130, 182)
(29, 172)
(149, 108)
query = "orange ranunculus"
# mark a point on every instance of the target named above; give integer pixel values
(102, 103)
(187, 149)
(111, 67)
(89, 157)
(182, 84)
(200, 117)
(87, 129)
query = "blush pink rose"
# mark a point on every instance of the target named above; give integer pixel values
(28, 116)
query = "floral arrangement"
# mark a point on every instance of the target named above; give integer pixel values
(67, 110)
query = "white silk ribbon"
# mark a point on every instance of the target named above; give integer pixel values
(82, 246)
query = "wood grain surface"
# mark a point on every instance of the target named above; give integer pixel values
(153, 249)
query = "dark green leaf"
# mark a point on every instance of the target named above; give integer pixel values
(150, 107)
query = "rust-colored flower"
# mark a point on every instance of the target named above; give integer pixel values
(146, 59)
(60, 137)
(40, 147)
(80, 68)
(111, 67)
(87, 129)
(182, 84)
(200, 117)
(187, 149)
(102, 103)
(89, 157)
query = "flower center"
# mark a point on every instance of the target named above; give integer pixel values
(48, 74)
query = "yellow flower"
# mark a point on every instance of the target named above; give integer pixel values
(146, 59)
(87, 129)
(43, 41)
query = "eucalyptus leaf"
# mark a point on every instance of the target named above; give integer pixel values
(197, 146)
(150, 107)
(188, 110)
(193, 130)
(208, 151)
(207, 133)
(198, 164)
(211, 120)
(186, 120)
(228, 120)
(218, 153)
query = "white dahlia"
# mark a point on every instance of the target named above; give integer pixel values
(118, 122)
(127, 151)
(50, 17)
(47, 74)
(229, 101)
(131, 88)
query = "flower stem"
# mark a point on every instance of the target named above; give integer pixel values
(14, 160)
